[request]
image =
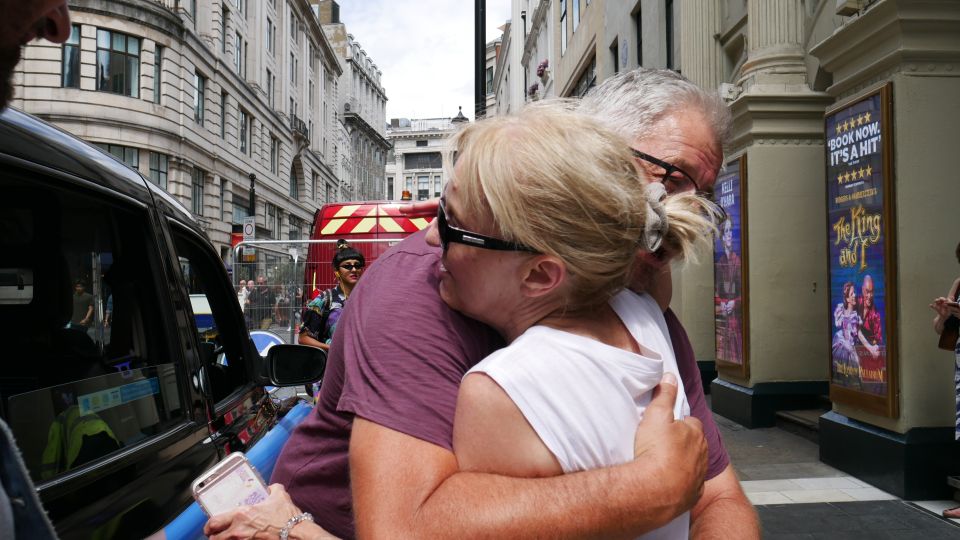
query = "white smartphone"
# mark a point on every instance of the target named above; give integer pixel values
(231, 483)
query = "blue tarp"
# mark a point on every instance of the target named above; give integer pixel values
(189, 524)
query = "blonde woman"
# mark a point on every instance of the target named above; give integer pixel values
(540, 227)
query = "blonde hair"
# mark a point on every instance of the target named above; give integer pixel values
(559, 182)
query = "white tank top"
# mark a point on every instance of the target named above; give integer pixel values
(584, 398)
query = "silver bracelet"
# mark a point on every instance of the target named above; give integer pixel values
(292, 522)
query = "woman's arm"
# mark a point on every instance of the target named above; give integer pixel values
(491, 435)
(943, 310)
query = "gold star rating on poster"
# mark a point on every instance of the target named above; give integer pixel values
(853, 122)
(855, 174)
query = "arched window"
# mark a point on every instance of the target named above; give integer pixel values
(294, 188)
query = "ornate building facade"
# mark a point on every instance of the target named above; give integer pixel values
(232, 106)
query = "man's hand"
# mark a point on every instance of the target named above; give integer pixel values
(677, 446)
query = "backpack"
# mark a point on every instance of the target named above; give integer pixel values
(325, 312)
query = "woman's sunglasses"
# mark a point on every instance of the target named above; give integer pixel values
(449, 233)
(352, 266)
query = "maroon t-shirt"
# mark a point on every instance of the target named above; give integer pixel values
(397, 360)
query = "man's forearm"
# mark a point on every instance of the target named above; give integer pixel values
(724, 511)
(617, 502)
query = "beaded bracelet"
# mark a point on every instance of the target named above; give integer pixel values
(292, 522)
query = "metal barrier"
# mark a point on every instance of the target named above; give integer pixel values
(279, 270)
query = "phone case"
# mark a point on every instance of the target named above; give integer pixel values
(231, 483)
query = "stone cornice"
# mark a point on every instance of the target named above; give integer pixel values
(778, 117)
(915, 37)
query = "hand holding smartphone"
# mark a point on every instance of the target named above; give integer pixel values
(231, 483)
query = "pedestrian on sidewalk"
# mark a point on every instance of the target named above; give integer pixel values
(946, 324)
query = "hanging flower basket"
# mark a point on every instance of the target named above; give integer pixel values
(534, 91)
(543, 68)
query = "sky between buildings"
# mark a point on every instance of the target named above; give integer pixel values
(424, 49)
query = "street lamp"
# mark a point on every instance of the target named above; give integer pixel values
(253, 195)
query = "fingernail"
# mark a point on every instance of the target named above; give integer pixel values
(669, 378)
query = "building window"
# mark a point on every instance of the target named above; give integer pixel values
(126, 154)
(71, 59)
(315, 185)
(196, 193)
(224, 17)
(241, 208)
(199, 96)
(274, 153)
(271, 213)
(157, 73)
(422, 143)
(409, 185)
(615, 55)
(587, 80)
(389, 188)
(294, 188)
(244, 131)
(223, 115)
(270, 88)
(293, 27)
(158, 169)
(241, 5)
(638, 23)
(293, 69)
(423, 188)
(576, 14)
(423, 160)
(223, 196)
(436, 186)
(294, 231)
(563, 27)
(118, 63)
(668, 34)
(238, 52)
(489, 84)
(310, 94)
(270, 37)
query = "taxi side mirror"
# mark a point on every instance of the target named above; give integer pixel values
(294, 365)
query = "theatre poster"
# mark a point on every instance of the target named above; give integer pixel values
(730, 271)
(860, 229)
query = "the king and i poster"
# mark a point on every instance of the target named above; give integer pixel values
(859, 195)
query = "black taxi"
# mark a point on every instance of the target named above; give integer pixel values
(117, 397)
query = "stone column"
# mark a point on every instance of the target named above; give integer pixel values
(778, 124)
(775, 43)
(700, 56)
(915, 47)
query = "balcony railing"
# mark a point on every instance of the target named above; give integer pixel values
(299, 127)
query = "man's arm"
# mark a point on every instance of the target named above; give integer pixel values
(404, 487)
(724, 511)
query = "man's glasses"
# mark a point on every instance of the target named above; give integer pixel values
(449, 234)
(673, 178)
(352, 266)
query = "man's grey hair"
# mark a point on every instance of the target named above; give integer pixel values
(632, 103)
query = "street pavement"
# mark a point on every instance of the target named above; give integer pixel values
(798, 497)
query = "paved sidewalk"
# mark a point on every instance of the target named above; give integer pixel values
(798, 497)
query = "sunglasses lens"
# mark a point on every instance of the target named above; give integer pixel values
(442, 227)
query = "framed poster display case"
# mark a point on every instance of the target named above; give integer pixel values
(862, 253)
(731, 306)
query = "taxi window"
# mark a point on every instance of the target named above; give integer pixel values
(216, 317)
(90, 371)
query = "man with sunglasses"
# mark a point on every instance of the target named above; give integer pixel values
(381, 435)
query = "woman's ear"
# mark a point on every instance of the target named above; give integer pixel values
(542, 275)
